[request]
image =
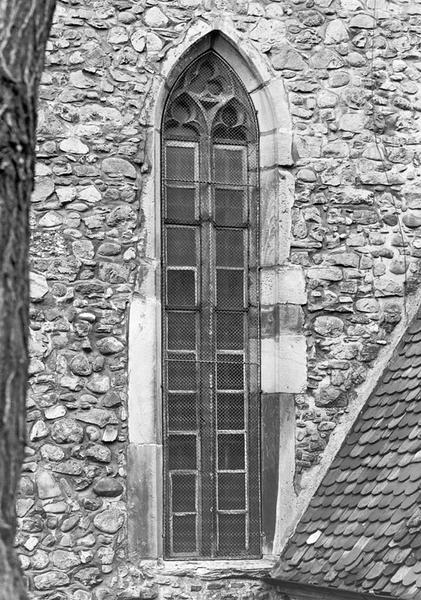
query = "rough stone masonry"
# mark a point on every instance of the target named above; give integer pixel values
(351, 69)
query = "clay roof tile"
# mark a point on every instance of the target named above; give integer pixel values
(367, 509)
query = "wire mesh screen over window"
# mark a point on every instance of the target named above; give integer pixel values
(210, 315)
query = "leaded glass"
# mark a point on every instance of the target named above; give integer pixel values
(210, 302)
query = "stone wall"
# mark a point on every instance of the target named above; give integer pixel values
(351, 69)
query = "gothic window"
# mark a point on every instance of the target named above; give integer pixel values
(210, 315)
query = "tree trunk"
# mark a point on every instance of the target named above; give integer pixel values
(24, 29)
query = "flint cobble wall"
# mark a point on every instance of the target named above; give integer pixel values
(351, 69)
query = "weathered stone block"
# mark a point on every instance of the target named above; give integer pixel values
(51, 580)
(46, 485)
(108, 487)
(109, 521)
(284, 364)
(282, 285)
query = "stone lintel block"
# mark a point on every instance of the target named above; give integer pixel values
(282, 285)
(144, 500)
(281, 318)
(284, 364)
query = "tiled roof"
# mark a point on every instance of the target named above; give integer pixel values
(362, 529)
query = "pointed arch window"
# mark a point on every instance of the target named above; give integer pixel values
(210, 315)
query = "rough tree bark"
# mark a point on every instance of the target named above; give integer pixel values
(24, 29)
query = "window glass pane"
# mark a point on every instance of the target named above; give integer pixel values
(209, 186)
(229, 330)
(231, 491)
(229, 289)
(181, 374)
(232, 534)
(230, 411)
(184, 533)
(229, 247)
(180, 204)
(181, 330)
(182, 452)
(229, 207)
(183, 492)
(229, 373)
(181, 246)
(181, 286)
(229, 165)
(182, 412)
(230, 451)
(180, 163)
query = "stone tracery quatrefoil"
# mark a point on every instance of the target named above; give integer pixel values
(209, 99)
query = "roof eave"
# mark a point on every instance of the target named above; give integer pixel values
(304, 591)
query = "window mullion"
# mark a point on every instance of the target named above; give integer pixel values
(206, 354)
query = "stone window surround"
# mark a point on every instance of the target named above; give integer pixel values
(282, 291)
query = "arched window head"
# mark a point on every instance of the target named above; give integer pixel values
(209, 100)
(210, 315)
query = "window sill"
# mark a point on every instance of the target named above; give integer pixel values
(215, 569)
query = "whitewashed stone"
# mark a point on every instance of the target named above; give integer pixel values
(110, 434)
(51, 219)
(96, 416)
(138, 40)
(51, 580)
(56, 508)
(336, 32)
(326, 273)
(268, 31)
(64, 559)
(274, 10)
(66, 431)
(23, 506)
(31, 543)
(66, 193)
(97, 113)
(99, 383)
(39, 431)
(363, 21)
(327, 99)
(51, 452)
(109, 521)
(46, 485)
(73, 146)
(118, 166)
(89, 194)
(44, 187)
(55, 412)
(154, 17)
(42, 170)
(118, 35)
(286, 57)
(110, 345)
(35, 366)
(39, 559)
(354, 122)
(153, 43)
(329, 326)
(83, 249)
(79, 80)
(38, 286)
